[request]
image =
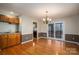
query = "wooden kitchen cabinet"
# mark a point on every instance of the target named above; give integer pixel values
(3, 41)
(0, 41)
(12, 20)
(7, 40)
(18, 38)
(16, 20)
(13, 39)
(4, 18)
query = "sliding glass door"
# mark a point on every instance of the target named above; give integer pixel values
(55, 30)
(58, 30)
(51, 30)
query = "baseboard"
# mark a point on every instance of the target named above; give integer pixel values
(26, 41)
(69, 41)
(42, 37)
(66, 41)
(72, 42)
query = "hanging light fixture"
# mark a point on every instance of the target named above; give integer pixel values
(46, 19)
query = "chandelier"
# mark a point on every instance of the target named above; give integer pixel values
(46, 19)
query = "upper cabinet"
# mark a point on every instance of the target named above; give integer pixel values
(3, 18)
(11, 20)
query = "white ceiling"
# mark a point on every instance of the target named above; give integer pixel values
(37, 10)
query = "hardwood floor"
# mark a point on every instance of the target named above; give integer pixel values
(43, 47)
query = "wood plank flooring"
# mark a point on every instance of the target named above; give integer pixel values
(43, 47)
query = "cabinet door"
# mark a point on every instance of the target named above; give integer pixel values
(18, 38)
(15, 21)
(10, 20)
(11, 40)
(3, 18)
(3, 41)
(0, 42)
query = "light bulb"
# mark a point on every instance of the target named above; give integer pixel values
(50, 19)
(43, 19)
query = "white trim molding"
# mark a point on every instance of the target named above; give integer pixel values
(26, 41)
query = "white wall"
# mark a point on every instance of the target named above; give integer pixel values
(5, 27)
(71, 24)
(26, 25)
(39, 25)
(42, 26)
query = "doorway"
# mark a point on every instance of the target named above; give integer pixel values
(56, 30)
(35, 30)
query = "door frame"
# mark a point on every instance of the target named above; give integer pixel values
(63, 37)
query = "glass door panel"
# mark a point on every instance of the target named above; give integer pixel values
(51, 30)
(58, 30)
(55, 30)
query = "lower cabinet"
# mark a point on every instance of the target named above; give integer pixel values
(11, 40)
(3, 41)
(18, 38)
(7, 40)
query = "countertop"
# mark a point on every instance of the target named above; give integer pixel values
(8, 33)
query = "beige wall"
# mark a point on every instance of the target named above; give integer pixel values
(26, 26)
(71, 24)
